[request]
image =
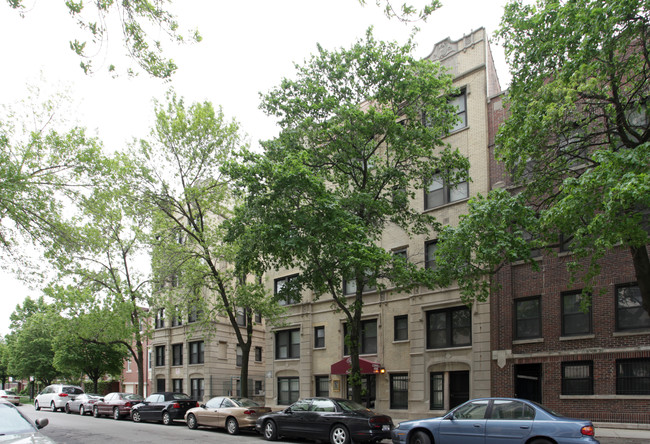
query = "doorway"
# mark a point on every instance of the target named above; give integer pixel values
(528, 382)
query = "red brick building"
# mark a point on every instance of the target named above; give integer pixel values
(593, 364)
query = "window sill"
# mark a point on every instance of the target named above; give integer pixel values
(639, 397)
(617, 334)
(527, 341)
(457, 131)
(577, 337)
(287, 359)
(401, 341)
(448, 204)
(462, 347)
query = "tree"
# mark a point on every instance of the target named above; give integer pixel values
(361, 130)
(576, 141)
(408, 12)
(74, 356)
(189, 200)
(43, 167)
(132, 17)
(31, 351)
(4, 362)
(103, 277)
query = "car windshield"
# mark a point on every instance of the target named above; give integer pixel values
(9, 392)
(180, 396)
(72, 390)
(351, 406)
(11, 421)
(547, 410)
(245, 402)
(133, 397)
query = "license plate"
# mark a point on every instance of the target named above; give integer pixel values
(385, 428)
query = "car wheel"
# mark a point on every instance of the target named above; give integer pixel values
(116, 414)
(95, 412)
(192, 423)
(540, 441)
(36, 406)
(67, 408)
(53, 407)
(270, 431)
(232, 426)
(135, 415)
(167, 419)
(339, 435)
(82, 412)
(420, 438)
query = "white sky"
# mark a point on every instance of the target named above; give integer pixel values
(248, 47)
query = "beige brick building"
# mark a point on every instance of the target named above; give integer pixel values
(426, 351)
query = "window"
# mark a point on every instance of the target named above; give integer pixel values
(528, 320)
(240, 316)
(575, 321)
(633, 376)
(437, 384)
(149, 359)
(577, 378)
(194, 312)
(258, 388)
(512, 410)
(460, 103)
(239, 356)
(350, 287)
(160, 355)
(430, 248)
(177, 385)
(288, 390)
(630, 313)
(472, 410)
(401, 332)
(258, 318)
(258, 354)
(197, 352)
(176, 319)
(322, 384)
(287, 344)
(399, 391)
(160, 386)
(367, 339)
(160, 318)
(319, 337)
(441, 192)
(450, 327)
(285, 298)
(197, 389)
(177, 354)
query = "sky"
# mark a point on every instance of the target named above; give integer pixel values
(248, 46)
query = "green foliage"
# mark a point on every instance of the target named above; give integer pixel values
(181, 183)
(31, 350)
(353, 148)
(137, 20)
(577, 141)
(407, 12)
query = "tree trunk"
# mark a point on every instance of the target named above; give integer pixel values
(642, 271)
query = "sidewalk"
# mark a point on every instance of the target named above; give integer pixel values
(635, 431)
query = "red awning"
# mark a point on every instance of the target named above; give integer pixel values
(343, 367)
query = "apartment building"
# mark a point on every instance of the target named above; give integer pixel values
(592, 364)
(422, 351)
(187, 358)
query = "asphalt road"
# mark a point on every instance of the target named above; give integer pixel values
(75, 429)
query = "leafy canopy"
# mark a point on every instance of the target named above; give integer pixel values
(576, 144)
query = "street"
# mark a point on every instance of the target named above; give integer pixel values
(75, 429)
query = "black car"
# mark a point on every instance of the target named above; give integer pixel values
(164, 406)
(338, 421)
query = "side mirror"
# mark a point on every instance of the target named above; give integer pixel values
(288, 410)
(40, 423)
(203, 406)
(450, 416)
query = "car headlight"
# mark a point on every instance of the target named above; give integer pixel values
(398, 425)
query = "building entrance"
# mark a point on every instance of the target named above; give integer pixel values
(528, 382)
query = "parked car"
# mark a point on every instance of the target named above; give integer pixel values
(56, 396)
(116, 404)
(496, 420)
(10, 396)
(165, 407)
(227, 412)
(17, 428)
(82, 404)
(338, 421)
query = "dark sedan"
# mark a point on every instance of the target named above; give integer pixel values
(338, 421)
(495, 421)
(165, 407)
(82, 404)
(116, 404)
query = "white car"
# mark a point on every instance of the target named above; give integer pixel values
(10, 396)
(17, 428)
(56, 396)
